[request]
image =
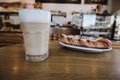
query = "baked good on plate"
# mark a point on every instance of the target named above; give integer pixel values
(76, 40)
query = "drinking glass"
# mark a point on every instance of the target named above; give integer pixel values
(35, 25)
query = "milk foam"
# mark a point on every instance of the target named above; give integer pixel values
(34, 15)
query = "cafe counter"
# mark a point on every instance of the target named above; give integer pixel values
(62, 64)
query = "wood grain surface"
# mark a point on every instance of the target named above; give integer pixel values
(62, 64)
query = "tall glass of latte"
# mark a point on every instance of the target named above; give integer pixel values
(35, 25)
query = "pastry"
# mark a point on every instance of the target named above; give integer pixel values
(77, 40)
(72, 41)
(81, 42)
(64, 39)
(105, 41)
(89, 43)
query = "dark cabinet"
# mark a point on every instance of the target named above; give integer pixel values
(60, 1)
(104, 2)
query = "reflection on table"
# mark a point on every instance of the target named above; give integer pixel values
(62, 64)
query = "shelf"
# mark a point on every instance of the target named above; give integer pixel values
(10, 4)
(104, 22)
(104, 2)
(56, 13)
(117, 37)
(62, 14)
(102, 27)
(74, 12)
(98, 27)
(10, 32)
(10, 22)
(97, 33)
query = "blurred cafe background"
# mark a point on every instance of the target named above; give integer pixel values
(97, 18)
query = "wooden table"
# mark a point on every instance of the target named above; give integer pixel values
(62, 64)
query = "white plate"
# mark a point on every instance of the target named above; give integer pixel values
(86, 49)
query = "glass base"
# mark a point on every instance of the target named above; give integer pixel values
(36, 58)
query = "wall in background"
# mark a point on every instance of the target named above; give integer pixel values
(115, 5)
(109, 5)
(68, 8)
(27, 1)
(10, 0)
